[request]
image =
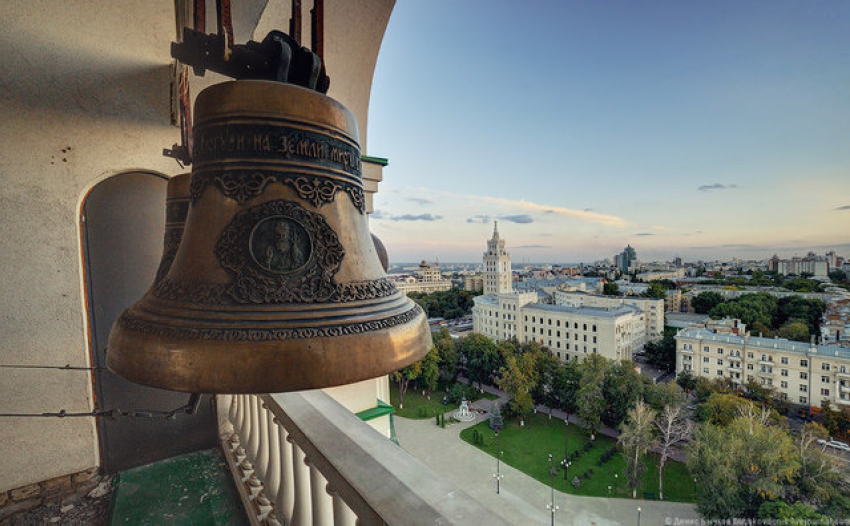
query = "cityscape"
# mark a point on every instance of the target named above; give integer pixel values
(356, 262)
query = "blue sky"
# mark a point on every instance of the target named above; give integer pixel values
(692, 129)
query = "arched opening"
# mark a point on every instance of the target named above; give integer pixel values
(122, 223)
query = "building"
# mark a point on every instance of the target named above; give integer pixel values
(497, 265)
(626, 259)
(651, 309)
(615, 329)
(657, 275)
(835, 326)
(801, 373)
(427, 278)
(473, 282)
(817, 266)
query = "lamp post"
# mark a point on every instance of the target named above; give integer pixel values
(638, 524)
(496, 425)
(551, 506)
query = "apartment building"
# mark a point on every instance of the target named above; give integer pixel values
(801, 373)
(427, 278)
(652, 309)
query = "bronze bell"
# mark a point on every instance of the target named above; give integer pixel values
(276, 284)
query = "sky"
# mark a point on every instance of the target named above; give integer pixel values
(703, 130)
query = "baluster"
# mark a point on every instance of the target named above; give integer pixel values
(253, 438)
(343, 516)
(286, 492)
(241, 415)
(262, 463)
(273, 475)
(302, 511)
(322, 502)
(232, 411)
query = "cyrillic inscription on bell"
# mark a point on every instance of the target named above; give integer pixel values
(276, 284)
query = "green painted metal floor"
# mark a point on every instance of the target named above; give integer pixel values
(192, 489)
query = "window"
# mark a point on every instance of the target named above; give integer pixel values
(719, 373)
(719, 362)
(594, 328)
(550, 332)
(804, 363)
(824, 392)
(705, 359)
(594, 339)
(720, 351)
(750, 355)
(526, 318)
(533, 319)
(749, 367)
(803, 400)
(558, 345)
(558, 333)
(804, 376)
(558, 323)
(784, 385)
(824, 379)
(784, 372)
(824, 366)
(803, 388)
(575, 325)
(584, 327)
(784, 360)
(705, 348)
(550, 321)
(705, 370)
(559, 355)
(585, 337)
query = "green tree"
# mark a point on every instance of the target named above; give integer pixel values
(637, 435)
(797, 513)
(622, 388)
(403, 377)
(721, 409)
(447, 351)
(741, 466)
(794, 330)
(838, 276)
(664, 394)
(819, 476)
(481, 357)
(686, 381)
(430, 370)
(662, 353)
(705, 301)
(517, 378)
(655, 290)
(799, 309)
(611, 289)
(590, 400)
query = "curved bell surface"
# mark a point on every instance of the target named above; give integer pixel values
(276, 284)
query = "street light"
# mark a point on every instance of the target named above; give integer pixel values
(551, 506)
(609, 492)
(638, 524)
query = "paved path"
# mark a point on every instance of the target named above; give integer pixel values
(522, 499)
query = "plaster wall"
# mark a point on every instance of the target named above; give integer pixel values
(86, 94)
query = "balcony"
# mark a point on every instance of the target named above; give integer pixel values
(844, 387)
(844, 374)
(302, 459)
(765, 374)
(735, 367)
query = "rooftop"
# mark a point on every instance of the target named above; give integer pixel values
(600, 312)
(802, 348)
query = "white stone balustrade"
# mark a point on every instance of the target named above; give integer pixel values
(302, 459)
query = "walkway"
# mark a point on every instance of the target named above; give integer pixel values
(522, 499)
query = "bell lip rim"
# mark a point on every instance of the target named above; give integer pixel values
(407, 344)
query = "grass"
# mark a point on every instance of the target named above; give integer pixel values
(418, 407)
(527, 449)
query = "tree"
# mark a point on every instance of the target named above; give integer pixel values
(611, 289)
(662, 353)
(687, 381)
(799, 309)
(705, 301)
(430, 370)
(674, 427)
(794, 330)
(637, 435)
(664, 394)
(481, 357)
(721, 409)
(655, 290)
(838, 276)
(780, 512)
(742, 465)
(544, 390)
(622, 388)
(818, 474)
(590, 402)
(447, 351)
(403, 377)
(517, 378)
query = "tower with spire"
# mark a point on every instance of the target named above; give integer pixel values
(497, 265)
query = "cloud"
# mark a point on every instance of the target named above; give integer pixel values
(645, 234)
(420, 217)
(581, 215)
(520, 218)
(377, 214)
(716, 186)
(529, 246)
(478, 219)
(845, 207)
(420, 200)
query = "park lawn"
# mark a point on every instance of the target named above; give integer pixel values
(527, 449)
(417, 406)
